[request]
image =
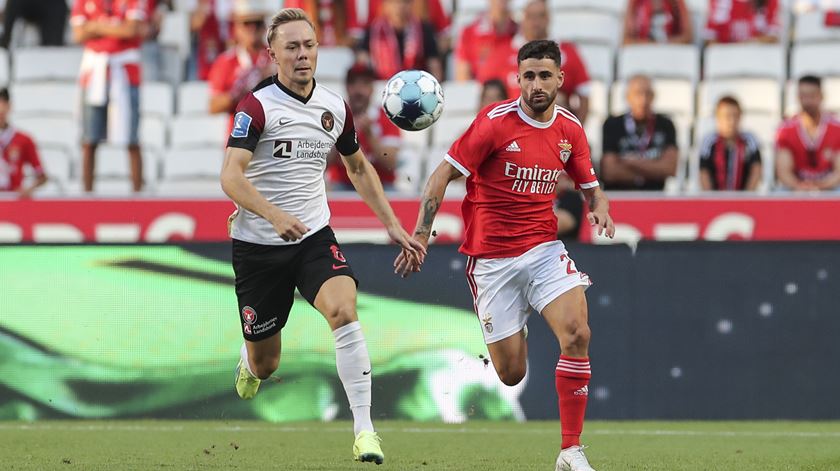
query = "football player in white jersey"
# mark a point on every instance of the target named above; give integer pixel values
(274, 172)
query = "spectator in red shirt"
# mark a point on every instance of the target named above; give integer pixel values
(243, 66)
(378, 137)
(399, 40)
(432, 11)
(657, 21)
(336, 21)
(734, 21)
(18, 151)
(502, 64)
(730, 159)
(210, 33)
(808, 145)
(489, 33)
(112, 32)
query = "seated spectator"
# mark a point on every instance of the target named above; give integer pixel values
(730, 159)
(398, 40)
(479, 41)
(18, 150)
(735, 21)
(336, 22)
(491, 92)
(808, 145)
(110, 78)
(49, 16)
(379, 138)
(640, 147)
(657, 21)
(502, 64)
(243, 66)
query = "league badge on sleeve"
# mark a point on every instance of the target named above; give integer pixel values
(565, 150)
(241, 123)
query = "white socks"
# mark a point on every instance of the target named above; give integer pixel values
(353, 365)
(243, 353)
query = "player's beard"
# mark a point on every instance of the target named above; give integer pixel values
(542, 105)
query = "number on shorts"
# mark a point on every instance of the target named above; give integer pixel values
(571, 269)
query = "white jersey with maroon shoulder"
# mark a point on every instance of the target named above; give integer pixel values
(512, 164)
(290, 137)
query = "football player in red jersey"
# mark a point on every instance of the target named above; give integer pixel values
(512, 155)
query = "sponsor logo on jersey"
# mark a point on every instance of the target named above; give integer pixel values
(337, 253)
(513, 147)
(247, 329)
(534, 179)
(249, 315)
(327, 121)
(283, 123)
(241, 123)
(283, 149)
(565, 150)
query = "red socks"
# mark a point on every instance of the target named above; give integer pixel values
(572, 382)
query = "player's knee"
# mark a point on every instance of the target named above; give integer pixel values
(579, 336)
(264, 365)
(512, 375)
(341, 315)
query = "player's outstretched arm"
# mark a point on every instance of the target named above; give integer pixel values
(429, 204)
(599, 211)
(367, 184)
(243, 193)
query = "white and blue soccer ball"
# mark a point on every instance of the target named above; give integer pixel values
(413, 99)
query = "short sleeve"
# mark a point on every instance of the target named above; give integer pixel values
(670, 133)
(248, 124)
(32, 158)
(77, 14)
(781, 138)
(579, 166)
(705, 152)
(611, 136)
(219, 77)
(473, 147)
(348, 142)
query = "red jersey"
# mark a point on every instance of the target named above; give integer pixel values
(388, 134)
(432, 11)
(236, 72)
(18, 150)
(732, 21)
(813, 159)
(503, 65)
(480, 40)
(512, 164)
(334, 20)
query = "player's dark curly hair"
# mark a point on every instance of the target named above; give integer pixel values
(540, 49)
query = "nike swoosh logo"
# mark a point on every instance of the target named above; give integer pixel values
(366, 372)
(336, 267)
(283, 123)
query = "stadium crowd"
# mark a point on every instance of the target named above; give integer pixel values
(679, 96)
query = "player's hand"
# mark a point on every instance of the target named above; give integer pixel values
(604, 222)
(288, 227)
(411, 258)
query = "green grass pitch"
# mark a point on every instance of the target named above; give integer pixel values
(480, 446)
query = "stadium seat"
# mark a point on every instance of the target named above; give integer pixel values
(457, 188)
(46, 63)
(586, 27)
(153, 133)
(810, 27)
(598, 100)
(613, 7)
(447, 129)
(673, 61)
(57, 164)
(175, 32)
(594, 128)
(756, 96)
(411, 163)
(4, 68)
(817, 59)
(462, 98)
(192, 172)
(744, 60)
(338, 59)
(45, 99)
(831, 96)
(157, 98)
(57, 131)
(672, 97)
(599, 61)
(112, 164)
(190, 131)
(193, 98)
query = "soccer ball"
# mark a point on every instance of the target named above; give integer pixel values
(413, 100)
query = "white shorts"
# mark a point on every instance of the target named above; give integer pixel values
(505, 289)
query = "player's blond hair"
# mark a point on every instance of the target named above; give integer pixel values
(286, 15)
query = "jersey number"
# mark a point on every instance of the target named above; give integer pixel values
(571, 269)
(283, 149)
